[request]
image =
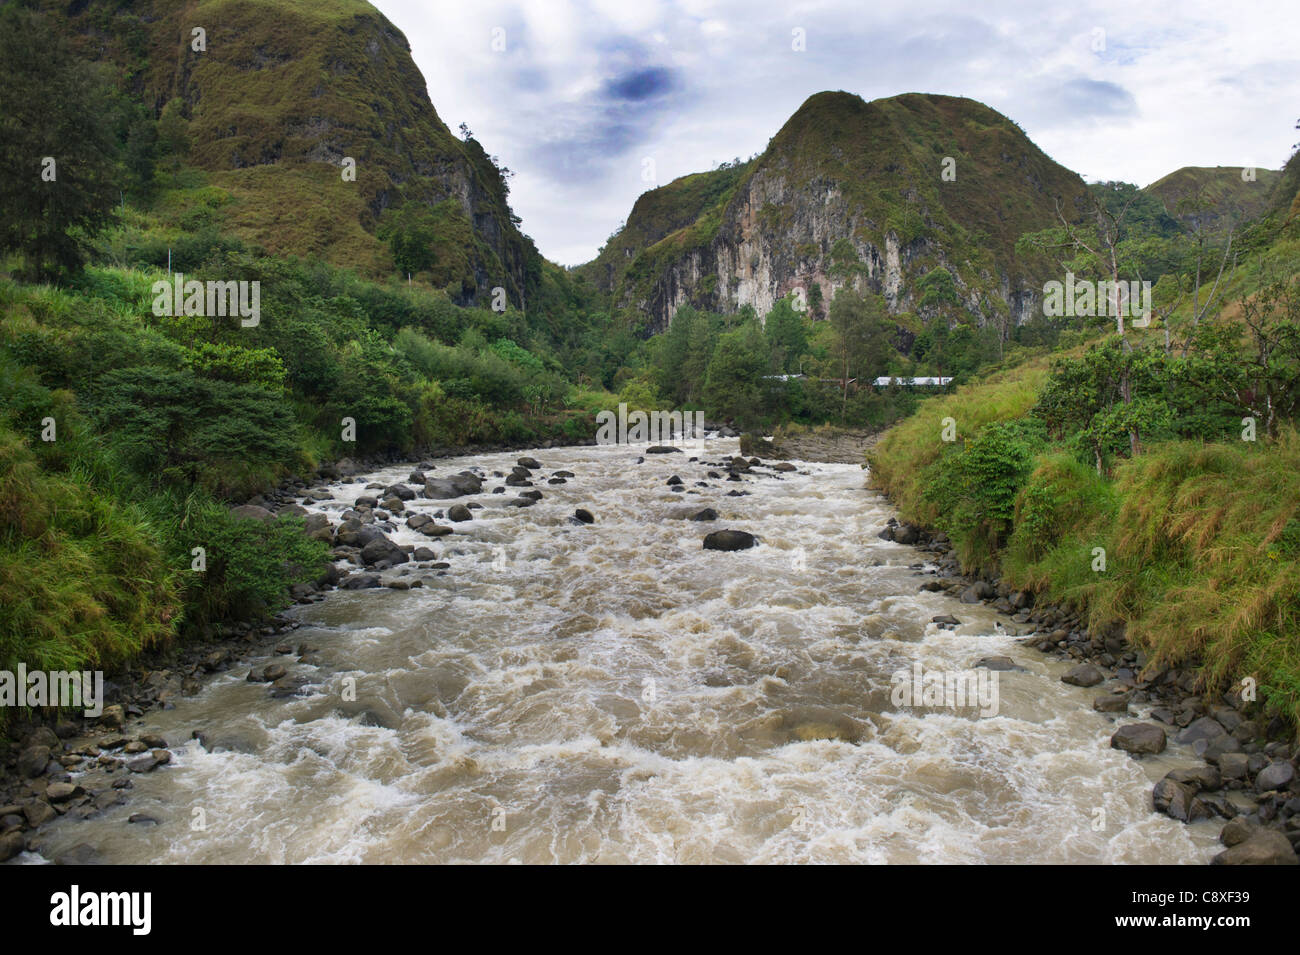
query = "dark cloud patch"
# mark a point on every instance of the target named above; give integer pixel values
(639, 85)
(1082, 97)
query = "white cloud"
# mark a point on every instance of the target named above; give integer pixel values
(586, 89)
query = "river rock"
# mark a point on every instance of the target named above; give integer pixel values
(32, 761)
(1201, 777)
(1237, 831)
(383, 549)
(352, 533)
(1203, 728)
(11, 843)
(729, 540)
(1085, 674)
(662, 449)
(1178, 801)
(38, 812)
(784, 466)
(1261, 847)
(317, 527)
(360, 582)
(1001, 663)
(1139, 738)
(459, 513)
(1112, 703)
(946, 620)
(707, 514)
(251, 512)
(399, 491)
(1233, 765)
(62, 792)
(1276, 775)
(584, 516)
(80, 854)
(458, 485)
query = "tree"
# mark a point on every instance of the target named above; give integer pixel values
(860, 339)
(787, 340)
(410, 232)
(57, 148)
(732, 385)
(173, 134)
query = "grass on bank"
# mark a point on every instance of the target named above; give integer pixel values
(1201, 540)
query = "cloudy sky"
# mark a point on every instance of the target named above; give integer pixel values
(576, 97)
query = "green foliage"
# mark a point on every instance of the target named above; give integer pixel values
(973, 486)
(733, 380)
(56, 147)
(250, 564)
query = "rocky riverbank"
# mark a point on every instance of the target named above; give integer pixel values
(1249, 779)
(827, 444)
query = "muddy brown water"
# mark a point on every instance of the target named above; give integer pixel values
(615, 693)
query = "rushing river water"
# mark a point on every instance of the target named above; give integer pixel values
(614, 693)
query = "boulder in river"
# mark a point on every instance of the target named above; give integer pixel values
(382, 549)
(1276, 775)
(662, 449)
(1261, 847)
(707, 514)
(729, 540)
(1139, 738)
(531, 463)
(360, 582)
(458, 485)
(584, 516)
(1085, 674)
(459, 513)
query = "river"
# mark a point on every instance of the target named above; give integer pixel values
(614, 693)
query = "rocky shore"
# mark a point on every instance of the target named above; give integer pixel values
(1249, 779)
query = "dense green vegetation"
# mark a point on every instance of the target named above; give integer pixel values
(1151, 478)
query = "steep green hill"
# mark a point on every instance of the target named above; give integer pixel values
(281, 94)
(1216, 196)
(871, 175)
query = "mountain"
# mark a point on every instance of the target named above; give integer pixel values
(1215, 197)
(280, 95)
(865, 175)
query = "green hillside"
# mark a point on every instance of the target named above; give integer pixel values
(279, 97)
(1217, 197)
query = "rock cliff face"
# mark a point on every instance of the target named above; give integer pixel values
(873, 195)
(280, 93)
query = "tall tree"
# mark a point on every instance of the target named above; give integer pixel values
(57, 148)
(860, 338)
